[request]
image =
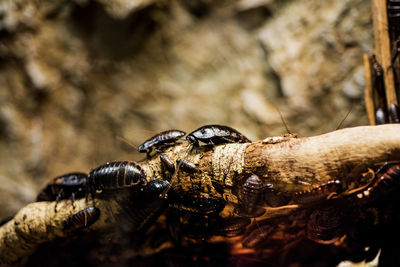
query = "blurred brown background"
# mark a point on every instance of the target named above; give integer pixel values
(77, 76)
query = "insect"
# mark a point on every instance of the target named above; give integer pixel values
(196, 203)
(148, 203)
(394, 112)
(187, 166)
(231, 227)
(251, 197)
(160, 140)
(116, 175)
(70, 185)
(82, 219)
(383, 184)
(393, 10)
(381, 116)
(193, 215)
(168, 163)
(320, 193)
(215, 135)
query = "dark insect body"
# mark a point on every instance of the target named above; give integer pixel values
(160, 140)
(394, 112)
(393, 11)
(168, 163)
(251, 197)
(116, 175)
(231, 227)
(195, 203)
(148, 204)
(187, 166)
(320, 193)
(325, 225)
(64, 186)
(384, 184)
(215, 135)
(82, 219)
(381, 116)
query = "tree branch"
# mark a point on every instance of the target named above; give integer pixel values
(289, 164)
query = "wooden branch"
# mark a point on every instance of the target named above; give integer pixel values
(289, 164)
(369, 97)
(382, 47)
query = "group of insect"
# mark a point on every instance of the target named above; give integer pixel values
(128, 174)
(203, 211)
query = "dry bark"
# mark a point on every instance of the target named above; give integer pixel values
(289, 164)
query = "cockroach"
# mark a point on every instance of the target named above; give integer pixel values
(187, 166)
(251, 196)
(394, 112)
(82, 219)
(215, 135)
(168, 163)
(381, 116)
(231, 227)
(274, 198)
(195, 203)
(325, 225)
(160, 140)
(320, 193)
(383, 184)
(116, 175)
(148, 203)
(70, 185)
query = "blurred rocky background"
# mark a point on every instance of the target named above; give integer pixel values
(79, 77)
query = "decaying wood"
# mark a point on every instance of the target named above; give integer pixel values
(382, 47)
(289, 164)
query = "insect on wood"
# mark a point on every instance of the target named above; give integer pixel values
(215, 135)
(116, 175)
(82, 219)
(160, 140)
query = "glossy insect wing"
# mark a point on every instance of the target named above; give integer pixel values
(168, 163)
(161, 139)
(115, 175)
(71, 179)
(216, 134)
(64, 186)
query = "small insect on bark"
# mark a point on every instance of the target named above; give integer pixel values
(251, 196)
(70, 185)
(383, 184)
(82, 219)
(394, 112)
(147, 204)
(231, 227)
(168, 163)
(160, 140)
(215, 135)
(195, 203)
(320, 193)
(187, 166)
(116, 175)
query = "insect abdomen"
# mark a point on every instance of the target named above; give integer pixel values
(82, 219)
(116, 175)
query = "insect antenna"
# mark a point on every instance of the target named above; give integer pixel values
(126, 141)
(345, 117)
(283, 121)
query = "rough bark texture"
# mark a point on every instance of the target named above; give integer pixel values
(75, 75)
(292, 165)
